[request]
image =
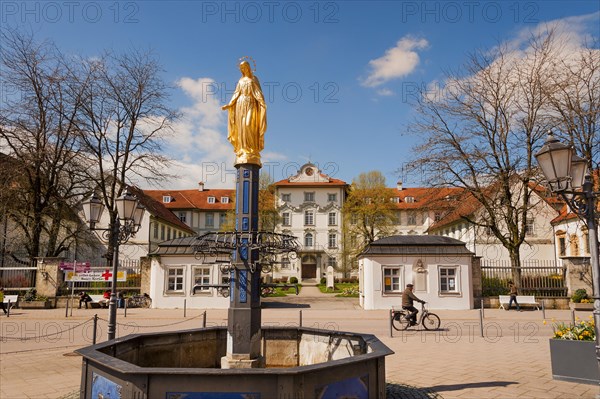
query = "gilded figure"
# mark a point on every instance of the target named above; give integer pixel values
(247, 120)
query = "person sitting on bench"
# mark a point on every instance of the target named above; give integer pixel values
(85, 298)
(105, 299)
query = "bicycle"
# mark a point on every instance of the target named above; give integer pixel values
(139, 301)
(430, 321)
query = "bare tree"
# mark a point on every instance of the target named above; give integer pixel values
(38, 129)
(482, 131)
(123, 118)
(574, 93)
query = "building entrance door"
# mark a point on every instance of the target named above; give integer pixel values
(309, 270)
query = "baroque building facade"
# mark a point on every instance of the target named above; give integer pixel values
(310, 206)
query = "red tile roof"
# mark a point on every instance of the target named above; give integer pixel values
(158, 210)
(427, 197)
(462, 205)
(194, 199)
(331, 182)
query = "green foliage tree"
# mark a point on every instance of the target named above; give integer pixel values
(369, 214)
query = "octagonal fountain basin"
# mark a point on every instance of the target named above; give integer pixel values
(297, 363)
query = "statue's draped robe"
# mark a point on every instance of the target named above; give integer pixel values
(247, 120)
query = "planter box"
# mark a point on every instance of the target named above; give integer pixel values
(36, 305)
(574, 361)
(581, 306)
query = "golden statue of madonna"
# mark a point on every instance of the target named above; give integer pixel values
(247, 117)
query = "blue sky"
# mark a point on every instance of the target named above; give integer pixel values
(338, 76)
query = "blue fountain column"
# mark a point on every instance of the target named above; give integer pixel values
(243, 331)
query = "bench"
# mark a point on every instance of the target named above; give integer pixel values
(521, 299)
(98, 301)
(13, 301)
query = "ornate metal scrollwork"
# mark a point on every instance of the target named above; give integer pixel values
(223, 245)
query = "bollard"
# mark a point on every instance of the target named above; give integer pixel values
(184, 307)
(95, 329)
(8, 310)
(573, 317)
(125, 311)
(204, 319)
(391, 321)
(481, 321)
(300, 321)
(543, 310)
(67, 309)
(482, 310)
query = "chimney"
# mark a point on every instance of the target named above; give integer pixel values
(399, 186)
(200, 186)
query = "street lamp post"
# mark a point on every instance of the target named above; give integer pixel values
(127, 221)
(568, 176)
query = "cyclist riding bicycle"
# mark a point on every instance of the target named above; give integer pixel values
(407, 303)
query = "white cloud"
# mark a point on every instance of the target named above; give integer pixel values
(206, 106)
(571, 36)
(199, 143)
(385, 92)
(397, 61)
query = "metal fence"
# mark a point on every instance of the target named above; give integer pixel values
(19, 278)
(541, 278)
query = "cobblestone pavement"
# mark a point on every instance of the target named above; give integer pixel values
(511, 359)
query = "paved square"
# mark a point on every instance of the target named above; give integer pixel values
(511, 361)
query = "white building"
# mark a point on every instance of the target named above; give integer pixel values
(539, 240)
(157, 225)
(573, 250)
(310, 205)
(440, 268)
(174, 271)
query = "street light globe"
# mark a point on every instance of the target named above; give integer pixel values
(126, 205)
(138, 215)
(92, 209)
(579, 169)
(555, 160)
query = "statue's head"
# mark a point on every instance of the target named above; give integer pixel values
(245, 68)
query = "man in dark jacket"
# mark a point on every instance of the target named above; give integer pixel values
(407, 303)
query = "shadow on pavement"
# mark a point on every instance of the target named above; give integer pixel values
(281, 305)
(459, 387)
(401, 391)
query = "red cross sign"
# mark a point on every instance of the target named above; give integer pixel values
(107, 274)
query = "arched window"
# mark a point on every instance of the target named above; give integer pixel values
(308, 240)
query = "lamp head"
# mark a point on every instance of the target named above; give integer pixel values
(555, 160)
(126, 205)
(92, 209)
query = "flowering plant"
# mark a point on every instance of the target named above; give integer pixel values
(581, 331)
(581, 296)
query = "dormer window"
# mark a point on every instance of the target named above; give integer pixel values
(225, 200)
(409, 200)
(167, 199)
(211, 200)
(395, 200)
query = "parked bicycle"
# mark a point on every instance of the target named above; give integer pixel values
(430, 321)
(139, 301)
